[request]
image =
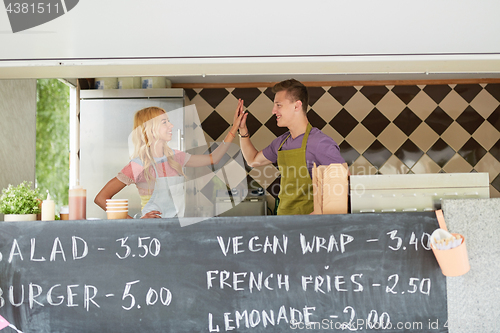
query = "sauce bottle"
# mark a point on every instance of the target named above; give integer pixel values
(48, 209)
(77, 203)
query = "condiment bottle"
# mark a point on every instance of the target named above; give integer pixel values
(48, 209)
(77, 203)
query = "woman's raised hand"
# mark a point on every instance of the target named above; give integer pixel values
(240, 118)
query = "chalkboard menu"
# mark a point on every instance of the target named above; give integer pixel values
(364, 272)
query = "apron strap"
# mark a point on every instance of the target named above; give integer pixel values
(281, 145)
(306, 135)
(156, 171)
(304, 139)
(163, 167)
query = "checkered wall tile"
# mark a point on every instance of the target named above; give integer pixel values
(380, 129)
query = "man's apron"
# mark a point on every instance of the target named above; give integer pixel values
(167, 197)
(296, 191)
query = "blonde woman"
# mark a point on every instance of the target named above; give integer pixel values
(156, 169)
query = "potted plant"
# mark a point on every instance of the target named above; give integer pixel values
(20, 203)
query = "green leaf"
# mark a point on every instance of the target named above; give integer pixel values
(21, 199)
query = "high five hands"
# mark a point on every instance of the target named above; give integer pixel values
(240, 118)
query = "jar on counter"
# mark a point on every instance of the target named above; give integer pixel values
(64, 213)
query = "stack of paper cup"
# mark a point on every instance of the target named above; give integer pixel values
(116, 209)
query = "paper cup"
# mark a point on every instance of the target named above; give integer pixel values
(116, 209)
(110, 202)
(453, 262)
(117, 215)
(117, 204)
(123, 205)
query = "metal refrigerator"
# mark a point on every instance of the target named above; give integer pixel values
(106, 121)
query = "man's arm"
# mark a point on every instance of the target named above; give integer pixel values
(253, 157)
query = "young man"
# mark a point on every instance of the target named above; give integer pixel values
(295, 151)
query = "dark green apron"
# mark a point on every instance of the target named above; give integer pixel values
(296, 191)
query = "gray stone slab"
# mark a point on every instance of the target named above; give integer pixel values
(474, 298)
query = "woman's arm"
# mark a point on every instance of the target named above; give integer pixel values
(108, 191)
(218, 153)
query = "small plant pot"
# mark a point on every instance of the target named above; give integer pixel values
(19, 217)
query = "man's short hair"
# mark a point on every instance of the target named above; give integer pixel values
(295, 91)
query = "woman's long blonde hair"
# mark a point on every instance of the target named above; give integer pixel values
(146, 124)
